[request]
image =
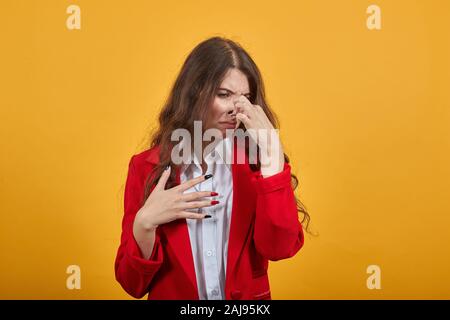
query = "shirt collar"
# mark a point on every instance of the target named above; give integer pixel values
(222, 151)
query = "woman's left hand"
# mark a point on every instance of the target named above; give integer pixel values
(263, 133)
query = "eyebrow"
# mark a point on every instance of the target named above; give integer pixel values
(248, 93)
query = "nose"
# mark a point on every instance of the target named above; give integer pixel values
(232, 108)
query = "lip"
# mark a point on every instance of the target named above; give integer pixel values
(228, 124)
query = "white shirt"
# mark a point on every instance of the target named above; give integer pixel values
(209, 236)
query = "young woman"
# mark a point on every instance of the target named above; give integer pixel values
(205, 228)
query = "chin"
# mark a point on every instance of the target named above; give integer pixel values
(224, 132)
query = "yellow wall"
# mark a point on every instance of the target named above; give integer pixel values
(364, 117)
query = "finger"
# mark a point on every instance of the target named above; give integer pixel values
(245, 106)
(190, 183)
(192, 215)
(238, 122)
(241, 105)
(198, 204)
(243, 99)
(242, 111)
(242, 117)
(196, 195)
(161, 185)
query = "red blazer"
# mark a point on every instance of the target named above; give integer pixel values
(264, 226)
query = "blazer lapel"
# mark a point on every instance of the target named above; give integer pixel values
(177, 235)
(242, 211)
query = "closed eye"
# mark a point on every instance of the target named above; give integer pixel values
(228, 93)
(223, 95)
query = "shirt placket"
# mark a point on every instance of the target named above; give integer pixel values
(209, 243)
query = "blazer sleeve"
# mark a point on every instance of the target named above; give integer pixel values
(133, 272)
(278, 233)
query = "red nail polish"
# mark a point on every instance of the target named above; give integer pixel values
(214, 194)
(214, 202)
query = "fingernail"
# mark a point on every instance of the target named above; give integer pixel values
(207, 216)
(167, 167)
(214, 202)
(208, 176)
(214, 194)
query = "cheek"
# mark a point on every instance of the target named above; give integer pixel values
(218, 108)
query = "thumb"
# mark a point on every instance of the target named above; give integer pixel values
(161, 185)
(238, 122)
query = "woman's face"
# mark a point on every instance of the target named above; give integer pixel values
(222, 113)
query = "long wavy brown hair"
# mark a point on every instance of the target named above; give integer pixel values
(191, 94)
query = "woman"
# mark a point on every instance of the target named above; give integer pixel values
(205, 228)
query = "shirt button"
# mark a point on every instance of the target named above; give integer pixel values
(209, 253)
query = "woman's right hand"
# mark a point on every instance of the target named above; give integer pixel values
(163, 206)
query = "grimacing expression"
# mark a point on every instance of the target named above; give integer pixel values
(222, 112)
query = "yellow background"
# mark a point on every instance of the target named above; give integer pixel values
(364, 117)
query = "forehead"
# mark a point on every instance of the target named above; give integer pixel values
(236, 81)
